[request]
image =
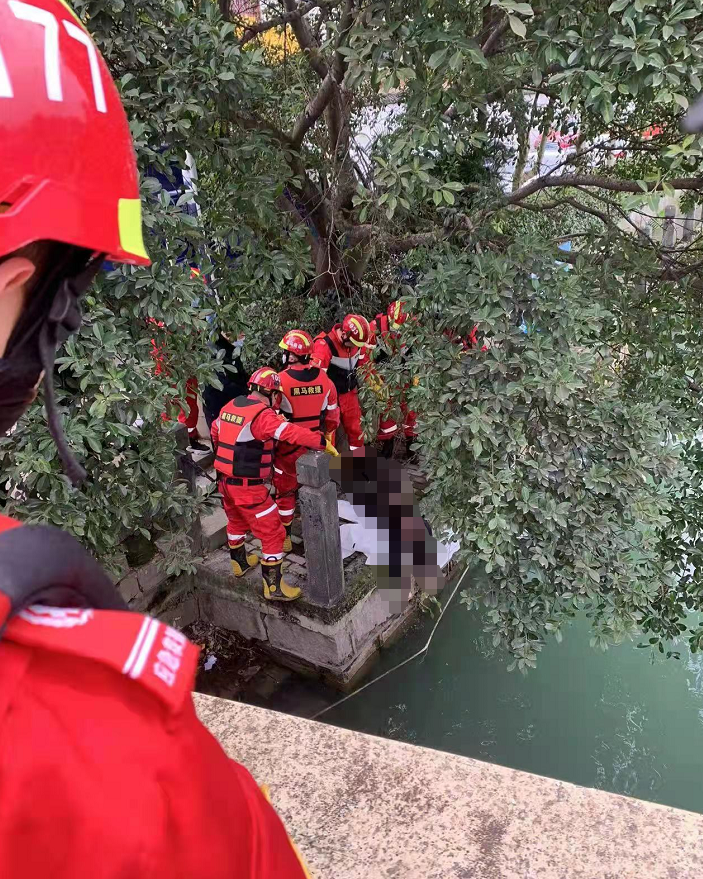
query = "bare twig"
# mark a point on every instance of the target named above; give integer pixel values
(253, 30)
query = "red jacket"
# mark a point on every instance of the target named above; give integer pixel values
(339, 362)
(264, 428)
(105, 770)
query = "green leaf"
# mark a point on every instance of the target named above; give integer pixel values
(436, 58)
(448, 196)
(517, 26)
(437, 196)
(682, 101)
(618, 6)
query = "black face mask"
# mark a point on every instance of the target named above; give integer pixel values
(18, 380)
(52, 314)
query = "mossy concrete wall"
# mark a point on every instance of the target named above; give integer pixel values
(337, 644)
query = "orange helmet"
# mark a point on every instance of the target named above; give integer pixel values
(397, 314)
(265, 380)
(68, 168)
(297, 342)
(359, 330)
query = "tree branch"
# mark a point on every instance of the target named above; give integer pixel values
(491, 44)
(313, 110)
(573, 202)
(395, 244)
(612, 183)
(306, 39)
(253, 30)
(345, 25)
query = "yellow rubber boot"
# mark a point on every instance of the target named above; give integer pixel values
(288, 543)
(240, 561)
(275, 587)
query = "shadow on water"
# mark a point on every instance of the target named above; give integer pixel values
(613, 720)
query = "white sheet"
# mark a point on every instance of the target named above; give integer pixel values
(360, 534)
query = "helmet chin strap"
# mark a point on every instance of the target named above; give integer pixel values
(53, 314)
(63, 320)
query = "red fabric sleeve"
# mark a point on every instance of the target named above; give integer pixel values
(270, 425)
(332, 417)
(301, 436)
(321, 354)
(215, 433)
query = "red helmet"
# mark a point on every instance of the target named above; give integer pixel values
(68, 168)
(358, 329)
(265, 379)
(397, 314)
(297, 342)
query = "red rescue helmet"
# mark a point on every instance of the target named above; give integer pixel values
(265, 380)
(358, 330)
(397, 315)
(69, 172)
(297, 342)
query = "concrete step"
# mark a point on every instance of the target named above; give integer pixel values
(204, 460)
(203, 484)
(214, 528)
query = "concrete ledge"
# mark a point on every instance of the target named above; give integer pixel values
(361, 807)
(337, 646)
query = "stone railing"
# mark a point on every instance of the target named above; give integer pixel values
(359, 806)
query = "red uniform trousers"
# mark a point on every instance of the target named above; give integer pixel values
(409, 421)
(189, 415)
(350, 415)
(285, 479)
(251, 508)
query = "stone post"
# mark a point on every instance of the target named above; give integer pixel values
(320, 519)
(669, 236)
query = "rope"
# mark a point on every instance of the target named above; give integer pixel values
(400, 664)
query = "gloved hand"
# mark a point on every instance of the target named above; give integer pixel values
(330, 437)
(416, 380)
(330, 449)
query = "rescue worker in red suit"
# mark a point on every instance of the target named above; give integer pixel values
(243, 438)
(105, 770)
(386, 327)
(188, 415)
(308, 399)
(338, 352)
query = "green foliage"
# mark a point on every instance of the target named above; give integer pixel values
(566, 459)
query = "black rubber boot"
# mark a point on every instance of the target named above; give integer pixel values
(275, 587)
(241, 562)
(288, 543)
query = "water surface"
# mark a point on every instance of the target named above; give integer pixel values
(613, 720)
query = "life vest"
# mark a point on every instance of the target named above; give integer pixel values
(238, 453)
(342, 368)
(306, 392)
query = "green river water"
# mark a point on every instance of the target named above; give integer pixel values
(611, 720)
